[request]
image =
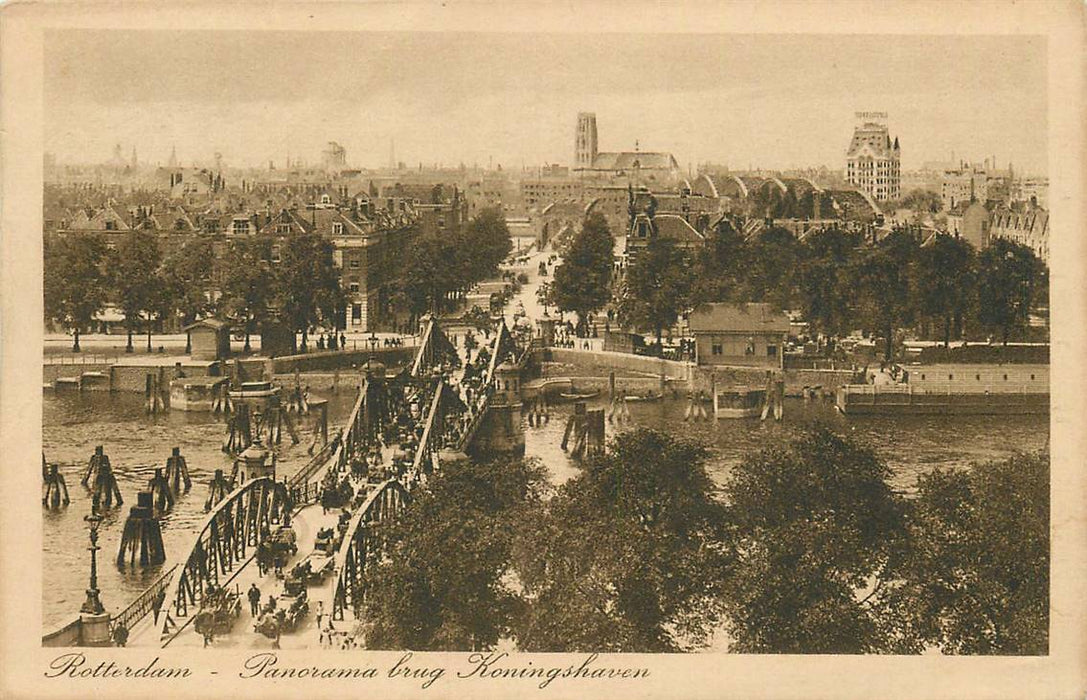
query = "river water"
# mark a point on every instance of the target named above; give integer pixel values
(137, 443)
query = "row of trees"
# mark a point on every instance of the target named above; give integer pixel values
(82, 275)
(835, 279)
(443, 265)
(810, 550)
(237, 278)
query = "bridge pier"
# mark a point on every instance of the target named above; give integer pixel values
(502, 430)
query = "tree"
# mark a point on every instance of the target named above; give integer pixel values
(139, 282)
(720, 264)
(657, 287)
(627, 555)
(443, 586)
(770, 269)
(485, 244)
(308, 283)
(1011, 281)
(187, 279)
(880, 278)
(921, 201)
(75, 281)
(825, 298)
(247, 283)
(432, 271)
(979, 576)
(582, 282)
(944, 283)
(818, 533)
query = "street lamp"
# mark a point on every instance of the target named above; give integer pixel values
(93, 604)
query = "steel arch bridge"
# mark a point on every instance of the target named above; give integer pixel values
(228, 539)
(364, 542)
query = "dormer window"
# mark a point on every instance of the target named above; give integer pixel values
(325, 199)
(283, 229)
(337, 228)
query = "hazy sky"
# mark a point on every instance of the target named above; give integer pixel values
(774, 101)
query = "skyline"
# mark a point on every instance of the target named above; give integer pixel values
(769, 101)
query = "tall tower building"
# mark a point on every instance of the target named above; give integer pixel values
(585, 140)
(872, 161)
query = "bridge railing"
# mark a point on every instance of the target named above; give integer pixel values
(385, 503)
(429, 435)
(337, 452)
(144, 603)
(227, 541)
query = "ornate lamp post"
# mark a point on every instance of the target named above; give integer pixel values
(93, 604)
(93, 618)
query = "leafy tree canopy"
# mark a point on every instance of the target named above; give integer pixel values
(627, 555)
(582, 282)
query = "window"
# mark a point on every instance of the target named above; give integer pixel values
(283, 229)
(275, 254)
(111, 225)
(977, 377)
(337, 228)
(325, 199)
(354, 263)
(1005, 377)
(950, 377)
(354, 287)
(922, 376)
(717, 349)
(241, 227)
(337, 258)
(356, 314)
(1032, 377)
(771, 351)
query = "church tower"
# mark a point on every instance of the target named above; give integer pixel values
(585, 141)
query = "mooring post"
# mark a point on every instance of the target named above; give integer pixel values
(177, 473)
(142, 533)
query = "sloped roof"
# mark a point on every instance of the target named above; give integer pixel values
(212, 323)
(675, 227)
(627, 160)
(743, 318)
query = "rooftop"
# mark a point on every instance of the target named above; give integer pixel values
(752, 317)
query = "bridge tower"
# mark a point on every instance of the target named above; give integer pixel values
(502, 431)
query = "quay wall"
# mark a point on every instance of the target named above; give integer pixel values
(52, 372)
(126, 377)
(587, 369)
(592, 363)
(339, 359)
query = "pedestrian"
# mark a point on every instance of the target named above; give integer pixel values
(343, 341)
(320, 611)
(330, 632)
(156, 604)
(120, 634)
(254, 599)
(208, 638)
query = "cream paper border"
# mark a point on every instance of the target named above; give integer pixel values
(1062, 674)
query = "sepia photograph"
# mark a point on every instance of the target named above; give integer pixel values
(500, 343)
